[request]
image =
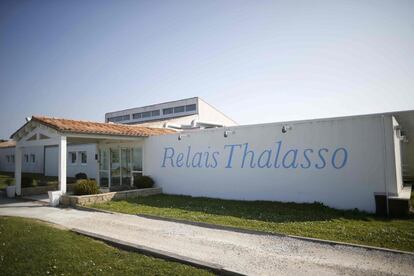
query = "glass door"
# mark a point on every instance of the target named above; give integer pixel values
(104, 168)
(115, 167)
(136, 163)
(126, 166)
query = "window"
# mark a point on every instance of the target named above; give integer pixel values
(155, 113)
(83, 157)
(8, 158)
(167, 111)
(26, 158)
(72, 157)
(32, 158)
(12, 158)
(190, 107)
(137, 159)
(137, 116)
(146, 114)
(136, 163)
(119, 118)
(178, 109)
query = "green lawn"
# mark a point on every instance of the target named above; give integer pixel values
(309, 220)
(28, 247)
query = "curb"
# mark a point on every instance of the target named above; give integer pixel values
(90, 209)
(219, 270)
(213, 226)
(262, 233)
(26, 199)
(255, 232)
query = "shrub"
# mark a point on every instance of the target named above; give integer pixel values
(28, 182)
(86, 187)
(81, 176)
(142, 182)
(9, 182)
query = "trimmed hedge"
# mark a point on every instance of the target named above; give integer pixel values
(86, 187)
(142, 182)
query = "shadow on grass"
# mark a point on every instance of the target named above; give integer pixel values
(266, 211)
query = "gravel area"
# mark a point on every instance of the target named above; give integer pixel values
(240, 252)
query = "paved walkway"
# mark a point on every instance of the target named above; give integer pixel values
(239, 252)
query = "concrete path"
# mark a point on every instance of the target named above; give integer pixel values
(239, 252)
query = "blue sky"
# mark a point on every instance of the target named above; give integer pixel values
(257, 61)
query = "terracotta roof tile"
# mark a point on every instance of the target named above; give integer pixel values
(75, 126)
(8, 144)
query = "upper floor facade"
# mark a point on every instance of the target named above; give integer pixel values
(180, 114)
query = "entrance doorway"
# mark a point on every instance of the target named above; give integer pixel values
(119, 165)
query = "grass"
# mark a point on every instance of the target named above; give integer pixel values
(28, 247)
(308, 220)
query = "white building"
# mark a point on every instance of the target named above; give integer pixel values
(189, 113)
(346, 163)
(42, 159)
(192, 113)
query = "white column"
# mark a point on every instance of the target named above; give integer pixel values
(98, 180)
(62, 164)
(18, 169)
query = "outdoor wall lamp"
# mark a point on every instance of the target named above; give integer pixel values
(286, 128)
(180, 136)
(227, 132)
(400, 134)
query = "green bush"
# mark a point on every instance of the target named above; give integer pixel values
(81, 176)
(9, 182)
(28, 182)
(86, 187)
(142, 182)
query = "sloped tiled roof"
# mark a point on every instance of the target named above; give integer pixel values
(85, 127)
(8, 144)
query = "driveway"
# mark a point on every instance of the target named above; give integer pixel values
(239, 252)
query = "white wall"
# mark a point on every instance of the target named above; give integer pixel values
(4, 165)
(208, 113)
(51, 168)
(51, 161)
(31, 167)
(351, 185)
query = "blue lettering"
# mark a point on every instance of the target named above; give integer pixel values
(198, 163)
(321, 158)
(345, 158)
(215, 163)
(306, 158)
(187, 163)
(248, 152)
(206, 163)
(170, 157)
(279, 145)
(228, 166)
(292, 163)
(179, 161)
(267, 163)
